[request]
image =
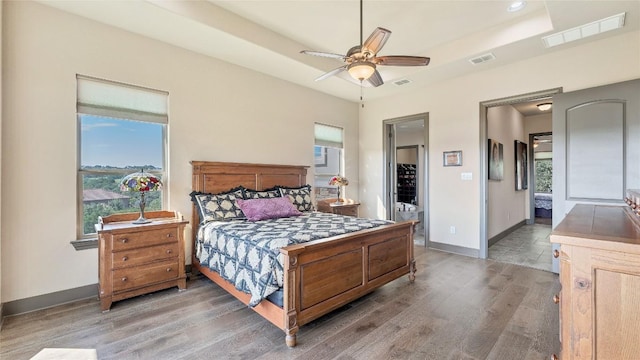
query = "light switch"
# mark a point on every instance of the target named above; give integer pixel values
(466, 176)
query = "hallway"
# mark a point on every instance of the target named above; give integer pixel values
(527, 246)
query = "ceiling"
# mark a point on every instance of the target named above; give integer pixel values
(267, 35)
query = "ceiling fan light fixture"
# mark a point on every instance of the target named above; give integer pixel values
(544, 106)
(361, 70)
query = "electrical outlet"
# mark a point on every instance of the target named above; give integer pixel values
(452, 229)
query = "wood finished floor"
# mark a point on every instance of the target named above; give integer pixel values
(458, 308)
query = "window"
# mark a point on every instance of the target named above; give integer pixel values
(121, 130)
(543, 172)
(327, 159)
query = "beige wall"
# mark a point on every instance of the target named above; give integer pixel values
(453, 108)
(536, 124)
(506, 206)
(218, 111)
(1, 86)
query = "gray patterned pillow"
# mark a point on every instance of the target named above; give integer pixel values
(219, 207)
(300, 197)
(264, 194)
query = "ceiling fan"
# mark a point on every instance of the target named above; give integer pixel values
(361, 60)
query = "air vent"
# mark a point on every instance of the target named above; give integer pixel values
(586, 30)
(482, 58)
(402, 82)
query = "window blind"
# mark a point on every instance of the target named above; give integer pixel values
(327, 135)
(123, 101)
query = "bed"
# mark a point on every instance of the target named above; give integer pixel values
(320, 275)
(543, 205)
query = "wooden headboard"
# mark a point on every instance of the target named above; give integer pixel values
(216, 177)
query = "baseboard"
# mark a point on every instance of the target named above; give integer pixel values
(500, 236)
(460, 250)
(53, 299)
(39, 302)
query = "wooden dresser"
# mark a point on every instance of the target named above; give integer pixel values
(600, 277)
(347, 207)
(136, 259)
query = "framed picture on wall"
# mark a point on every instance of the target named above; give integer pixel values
(521, 151)
(496, 165)
(452, 158)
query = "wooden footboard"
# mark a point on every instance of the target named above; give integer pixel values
(320, 275)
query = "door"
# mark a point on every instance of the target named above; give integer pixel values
(596, 156)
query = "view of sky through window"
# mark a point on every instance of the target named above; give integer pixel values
(120, 143)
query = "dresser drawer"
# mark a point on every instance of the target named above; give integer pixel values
(346, 210)
(143, 238)
(144, 255)
(128, 278)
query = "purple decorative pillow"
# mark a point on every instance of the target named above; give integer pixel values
(271, 208)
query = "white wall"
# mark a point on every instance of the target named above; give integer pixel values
(217, 111)
(506, 206)
(453, 108)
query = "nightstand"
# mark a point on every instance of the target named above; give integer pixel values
(347, 208)
(136, 259)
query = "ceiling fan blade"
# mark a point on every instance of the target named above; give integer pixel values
(376, 40)
(331, 73)
(375, 80)
(401, 60)
(323, 54)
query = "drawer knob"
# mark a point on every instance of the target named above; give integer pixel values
(556, 299)
(124, 278)
(554, 357)
(125, 240)
(169, 235)
(556, 253)
(168, 269)
(125, 258)
(169, 251)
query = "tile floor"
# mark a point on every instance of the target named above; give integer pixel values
(527, 246)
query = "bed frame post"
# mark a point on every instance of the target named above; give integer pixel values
(290, 299)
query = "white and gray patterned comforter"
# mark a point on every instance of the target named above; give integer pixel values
(247, 253)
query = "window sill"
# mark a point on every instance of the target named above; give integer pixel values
(85, 244)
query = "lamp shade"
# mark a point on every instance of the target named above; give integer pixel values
(339, 181)
(140, 181)
(361, 70)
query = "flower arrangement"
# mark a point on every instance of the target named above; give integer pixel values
(140, 182)
(339, 181)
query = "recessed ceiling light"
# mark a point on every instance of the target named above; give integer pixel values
(586, 30)
(516, 6)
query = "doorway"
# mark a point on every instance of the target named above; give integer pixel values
(525, 217)
(406, 172)
(541, 169)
